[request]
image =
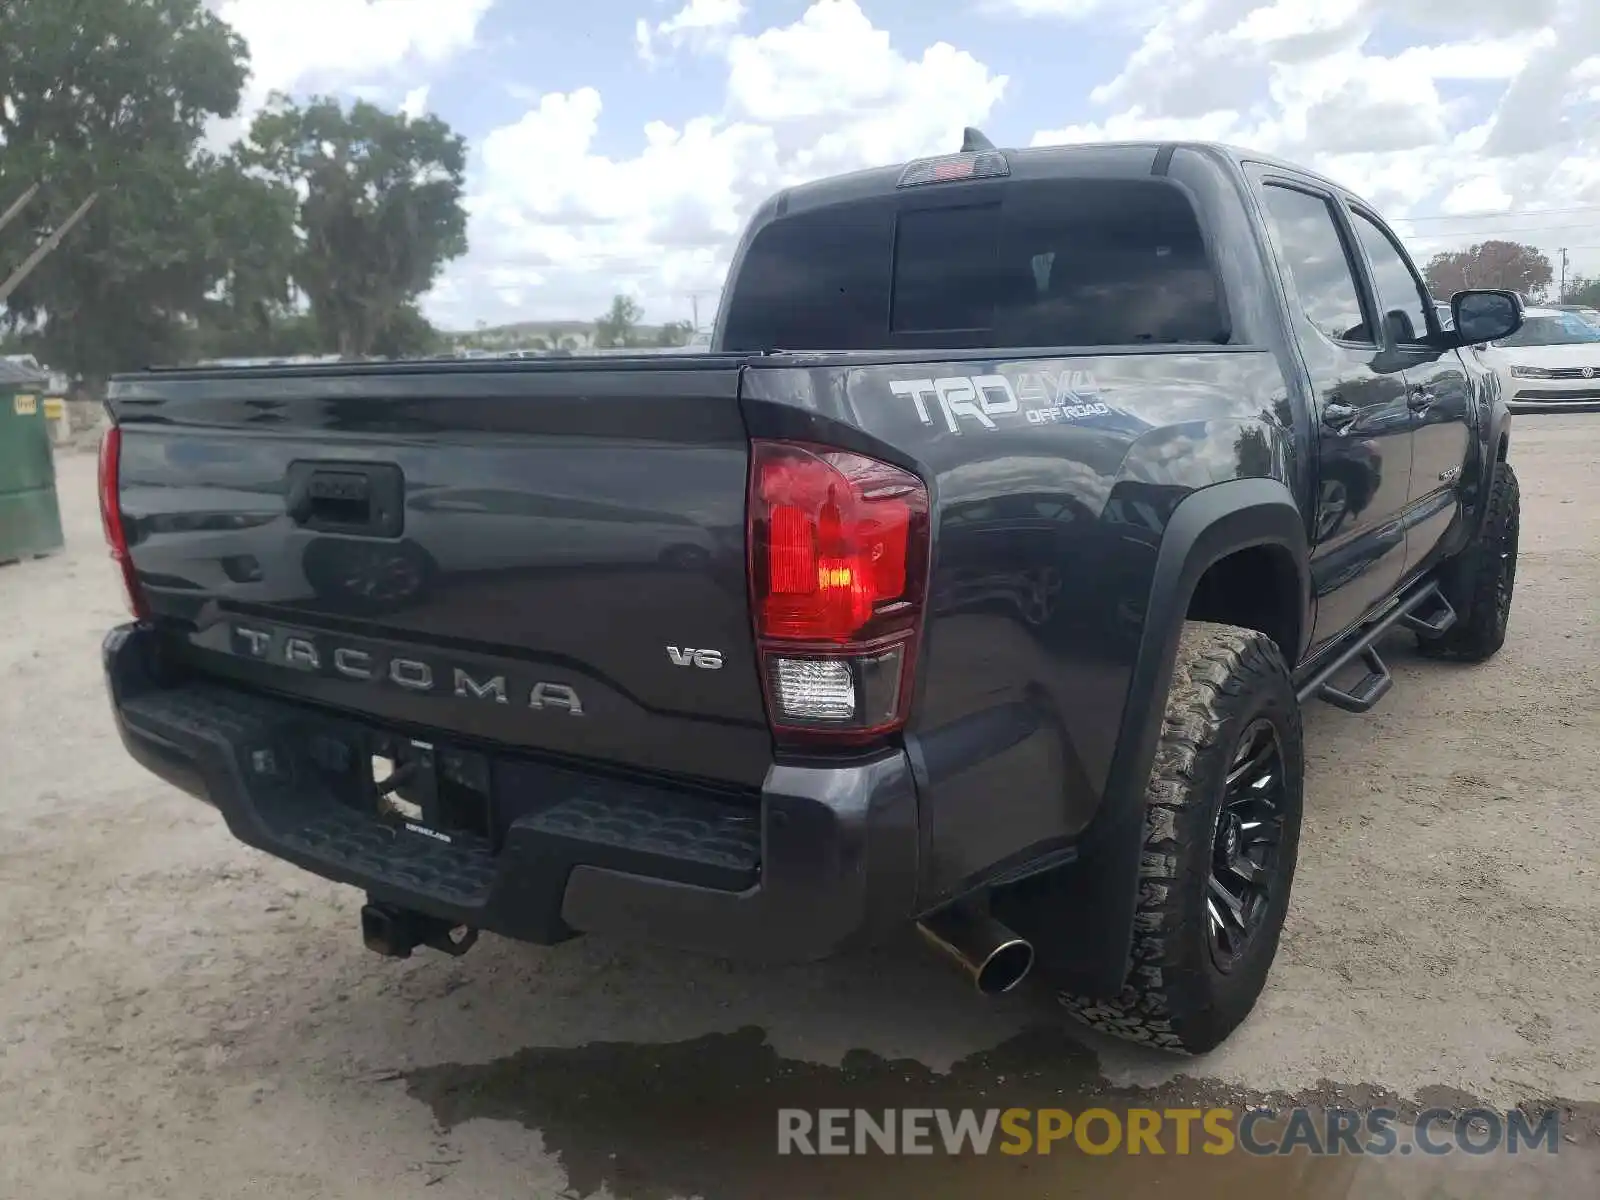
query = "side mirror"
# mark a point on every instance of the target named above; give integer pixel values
(1485, 316)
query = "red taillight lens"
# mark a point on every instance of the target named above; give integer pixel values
(838, 570)
(111, 520)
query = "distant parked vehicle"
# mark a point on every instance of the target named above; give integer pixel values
(1553, 360)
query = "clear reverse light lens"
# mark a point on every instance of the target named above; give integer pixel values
(814, 689)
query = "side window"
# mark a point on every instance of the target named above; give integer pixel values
(1405, 304)
(1315, 256)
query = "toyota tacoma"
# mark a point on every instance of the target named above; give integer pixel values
(974, 577)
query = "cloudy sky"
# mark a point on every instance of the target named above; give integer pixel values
(618, 144)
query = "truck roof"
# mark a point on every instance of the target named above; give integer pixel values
(1114, 159)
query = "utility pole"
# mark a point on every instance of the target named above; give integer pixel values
(694, 307)
(45, 247)
(20, 203)
(1561, 297)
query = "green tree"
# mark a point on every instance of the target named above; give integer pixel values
(249, 222)
(380, 211)
(619, 326)
(1253, 453)
(112, 97)
(407, 334)
(1582, 290)
(675, 333)
(285, 334)
(1491, 264)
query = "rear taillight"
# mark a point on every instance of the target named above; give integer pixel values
(838, 571)
(111, 520)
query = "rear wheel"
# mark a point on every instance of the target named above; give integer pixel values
(1221, 836)
(1479, 580)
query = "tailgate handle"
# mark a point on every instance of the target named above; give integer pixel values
(359, 498)
(341, 498)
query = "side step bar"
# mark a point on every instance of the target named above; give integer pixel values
(1426, 611)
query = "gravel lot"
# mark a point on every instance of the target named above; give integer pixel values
(182, 1017)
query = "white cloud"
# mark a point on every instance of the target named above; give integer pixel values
(300, 45)
(556, 228)
(1356, 104)
(833, 62)
(1072, 10)
(416, 102)
(1491, 107)
(703, 24)
(547, 210)
(703, 14)
(1118, 15)
(1482, 194)
(1489, 59)
(1136, 125)
(1295, 78)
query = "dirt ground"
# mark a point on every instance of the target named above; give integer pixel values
(181, 1017)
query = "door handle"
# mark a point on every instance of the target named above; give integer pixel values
(1339, 416)
(1420, 399)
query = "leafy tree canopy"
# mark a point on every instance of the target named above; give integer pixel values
(379, 210)
(619, 326)
(1493, 264)
(112, 97)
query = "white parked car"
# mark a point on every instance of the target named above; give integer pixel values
(1551, 362)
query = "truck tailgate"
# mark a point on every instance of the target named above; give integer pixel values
(548, 556)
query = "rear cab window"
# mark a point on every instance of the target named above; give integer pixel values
(1059, 262)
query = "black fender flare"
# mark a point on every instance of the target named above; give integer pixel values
(1100, 887)
(1498, 430)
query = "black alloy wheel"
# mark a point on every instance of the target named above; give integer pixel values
(1245, 844)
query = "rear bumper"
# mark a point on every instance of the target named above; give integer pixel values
(825, 860)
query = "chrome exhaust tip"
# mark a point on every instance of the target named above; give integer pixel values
(994, 958)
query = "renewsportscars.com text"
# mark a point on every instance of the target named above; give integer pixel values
(1176, 1131)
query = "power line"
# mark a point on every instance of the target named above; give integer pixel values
(1467, 233)
(1589, 247)
(1487, 215)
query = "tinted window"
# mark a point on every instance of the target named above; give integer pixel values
(1404, 302)
(944, 262)
(1057, 263)
(814, 281)
(1316, 260)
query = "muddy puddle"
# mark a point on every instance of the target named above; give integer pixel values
(701, 1119)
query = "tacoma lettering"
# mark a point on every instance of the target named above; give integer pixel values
(302, 652)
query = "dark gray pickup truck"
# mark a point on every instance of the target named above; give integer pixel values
(974, 578)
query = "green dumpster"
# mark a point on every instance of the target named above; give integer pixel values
(30, 516)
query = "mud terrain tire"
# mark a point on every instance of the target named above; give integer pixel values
(1479, 580)
(1232, 727)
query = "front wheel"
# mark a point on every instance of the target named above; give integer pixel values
(1479, 580)
(1221, 836)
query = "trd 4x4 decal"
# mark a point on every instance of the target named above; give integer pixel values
(1044, 397)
